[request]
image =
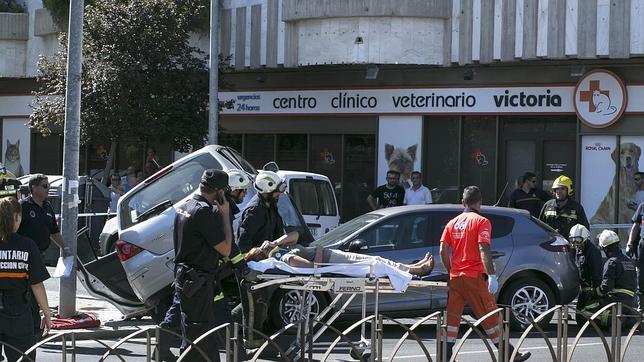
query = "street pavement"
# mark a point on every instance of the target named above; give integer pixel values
(91, 343)
(112, 323)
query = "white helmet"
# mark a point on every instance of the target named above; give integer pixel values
(268, 181)
(607, 237)
(578, 234)
(237, 180)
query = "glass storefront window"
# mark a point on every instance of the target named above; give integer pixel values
(231, 140)
(359, 174)
(291, 151)
(478, 157)
(259, 149)
(440, 162)
(325, 157)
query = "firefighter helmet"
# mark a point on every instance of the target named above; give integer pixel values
(607, 237)
(578, 234)
(237, 180)
(563, 181)
(268, 181)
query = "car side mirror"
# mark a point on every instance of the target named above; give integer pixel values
(357, 246)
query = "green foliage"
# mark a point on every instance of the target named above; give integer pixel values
(199, 20)
(140, 77)
(11, 6)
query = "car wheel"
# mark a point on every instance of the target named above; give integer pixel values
(529, 298)
(286, 304)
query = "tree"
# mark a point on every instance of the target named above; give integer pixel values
(141, 78)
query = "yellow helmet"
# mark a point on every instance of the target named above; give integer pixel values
(563, 181)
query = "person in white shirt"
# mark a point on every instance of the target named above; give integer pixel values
(417, 194)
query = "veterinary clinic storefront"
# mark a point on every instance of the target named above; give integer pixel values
(486, 135)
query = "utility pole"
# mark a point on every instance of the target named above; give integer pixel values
(69, 206)
(213, 85)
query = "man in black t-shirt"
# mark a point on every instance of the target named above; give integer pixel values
(388, 195)
(202, 234)
(528, 196)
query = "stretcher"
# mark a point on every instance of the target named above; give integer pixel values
(307, 281)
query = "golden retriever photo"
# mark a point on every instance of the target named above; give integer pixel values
(629, 156)
(401, 160)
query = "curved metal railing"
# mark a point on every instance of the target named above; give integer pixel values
(615, 344)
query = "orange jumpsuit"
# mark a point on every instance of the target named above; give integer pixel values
(468, 281)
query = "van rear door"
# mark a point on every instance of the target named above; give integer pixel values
(316, 202)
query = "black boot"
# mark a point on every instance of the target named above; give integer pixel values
(520, 357)
(448, 353)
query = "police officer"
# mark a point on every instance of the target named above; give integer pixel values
(619, 280)
(233, 270)
(202, 234)
(261, 221)
(562, 212)
(39, 224)
(22, 274)
(589, 261)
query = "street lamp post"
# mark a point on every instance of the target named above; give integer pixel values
(213, 85)
(69, 206)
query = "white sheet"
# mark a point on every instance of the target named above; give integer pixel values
(398, 278)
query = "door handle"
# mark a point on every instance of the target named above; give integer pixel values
(497, 254)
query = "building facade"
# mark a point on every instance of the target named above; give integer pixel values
(466, 91)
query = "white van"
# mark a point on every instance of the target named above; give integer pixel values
(314, 197)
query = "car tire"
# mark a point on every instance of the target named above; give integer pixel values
(284, 304)
(529, 297)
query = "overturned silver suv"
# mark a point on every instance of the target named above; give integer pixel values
(137, 276)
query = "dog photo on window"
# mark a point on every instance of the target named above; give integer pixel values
(402, 160)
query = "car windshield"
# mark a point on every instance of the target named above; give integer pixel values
(174, 186)
(345, 230)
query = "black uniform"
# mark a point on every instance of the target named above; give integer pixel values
(38, 224)
(532, 201)
(197, 229)
(618, 284)
(589, 261)
(619, 280)
(20, 267)
(389, 197)
(638, 218)
(563, 218)
(259, 222)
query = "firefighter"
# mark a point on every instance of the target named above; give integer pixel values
(260, 221)
(22, 273)
(619, 280)
(589, 261)
(562, 212)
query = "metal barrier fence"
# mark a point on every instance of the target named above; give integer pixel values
(302, 346)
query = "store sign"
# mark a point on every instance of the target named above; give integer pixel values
(484, 100)
(600, 98)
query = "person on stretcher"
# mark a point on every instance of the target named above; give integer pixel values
(306, 256)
